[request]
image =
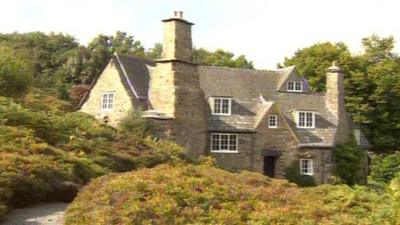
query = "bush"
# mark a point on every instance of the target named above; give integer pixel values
(15, 74)
(48, 155)
(385, 167)
(349, 161)
(135, 124)
(292, 174)
(203, 194)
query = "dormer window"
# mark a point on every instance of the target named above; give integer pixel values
(221, 105)
(295, 86)
(107, 100)
(305, 119)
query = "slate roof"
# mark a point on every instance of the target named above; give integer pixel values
(137, 70)
(253, 93)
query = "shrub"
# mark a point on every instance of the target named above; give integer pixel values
(385, 167)
(203, 194)
(135, 124)
(349, 161)
(48, 155)
(292, 174)
(15, 74)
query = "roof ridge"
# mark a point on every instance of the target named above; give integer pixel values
(237, 69)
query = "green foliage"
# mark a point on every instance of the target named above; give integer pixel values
(385, 167)
(220, 58)
(292, 174)
(135, 124)
(47, 153)
(313, 62)
(15, 74)
(349, 161)
(203, 194)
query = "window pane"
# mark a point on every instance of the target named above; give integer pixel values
(224, 142)
(215, 142)
(298, 86)
(233, 142)
(290, 86)
(301, 119)
(225, 106)
(217, 105)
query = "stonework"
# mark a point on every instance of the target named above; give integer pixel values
(174, 94)
(175, 89)
(109, 80)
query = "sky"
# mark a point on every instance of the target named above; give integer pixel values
(266, 31)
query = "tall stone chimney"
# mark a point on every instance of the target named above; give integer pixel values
(175, 88)
(177, 43)
(335, 101)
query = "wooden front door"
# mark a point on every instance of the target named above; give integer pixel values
(269, 166)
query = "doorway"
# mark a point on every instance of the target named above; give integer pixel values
(269, 165)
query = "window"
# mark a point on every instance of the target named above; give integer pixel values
(305, 119)
(221, 106)
(273, 121)
(221, 142)
(295, 86)
(306, 167)
(107, 100)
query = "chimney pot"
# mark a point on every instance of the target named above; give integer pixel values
(175, 14)
(180, 14)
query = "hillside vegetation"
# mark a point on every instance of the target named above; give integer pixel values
(47, 153)
(203, 194)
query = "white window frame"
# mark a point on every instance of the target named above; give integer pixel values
(109, 105)
(220, 144)
(221, 99)
(305, 119)
(275, 118)
(308, 169)
(292, 86)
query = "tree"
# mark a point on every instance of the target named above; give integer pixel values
(221, 58)
(155, 52)
(313, 61)
(15, 74)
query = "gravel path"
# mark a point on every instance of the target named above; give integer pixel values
(42, 214)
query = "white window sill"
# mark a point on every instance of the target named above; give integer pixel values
(272, 127)
(305, 127)
(223, 151)
(220, 114)
(295, 91)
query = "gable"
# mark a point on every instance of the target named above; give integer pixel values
(109, 81)
(291, 74)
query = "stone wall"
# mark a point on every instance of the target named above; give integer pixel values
(280, 138)
(109, 80)
(175, 91)
(242, 160)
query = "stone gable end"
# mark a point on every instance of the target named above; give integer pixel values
(109, 80)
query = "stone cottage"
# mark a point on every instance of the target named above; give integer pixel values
(258, 120)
